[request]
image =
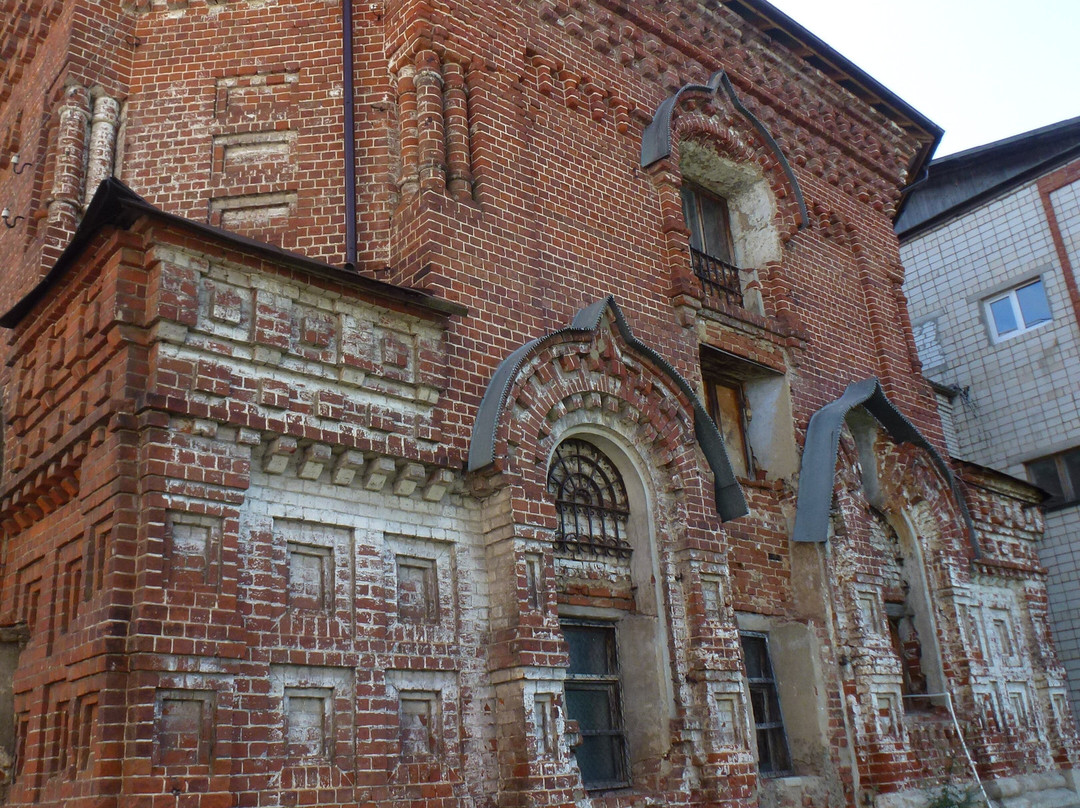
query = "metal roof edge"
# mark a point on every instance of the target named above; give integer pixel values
(730, 502)
(986, 195)
(817, 470)
(114, 203)
(897, 108)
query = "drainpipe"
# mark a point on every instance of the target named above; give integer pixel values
(350, 133)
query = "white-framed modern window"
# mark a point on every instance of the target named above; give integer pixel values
(1017, 310)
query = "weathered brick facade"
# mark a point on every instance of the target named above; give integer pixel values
(278, 532)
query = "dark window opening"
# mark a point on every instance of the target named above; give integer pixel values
(712, 249)
(1059, 476)
(590, 499)
(726, 403)
(908, 649)
(709, 223)
(593, 700)
(902, 607)
(12, 729)
(773, 756)
(726, 400)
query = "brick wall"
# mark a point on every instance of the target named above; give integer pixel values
(253, 465)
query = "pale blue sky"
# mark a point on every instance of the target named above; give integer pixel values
(981, 69)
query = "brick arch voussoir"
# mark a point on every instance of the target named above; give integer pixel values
(907, 478)
(570, 377)
(595, 362)
(908, 482)
(735, 140)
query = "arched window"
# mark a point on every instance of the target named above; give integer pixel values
(590, 499)
(731, 214)
(592, 479)
(907, 608)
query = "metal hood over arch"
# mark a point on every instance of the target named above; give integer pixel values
(730, 503)
(656, 139)
(818, 468)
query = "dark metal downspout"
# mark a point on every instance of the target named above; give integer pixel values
(350, 132)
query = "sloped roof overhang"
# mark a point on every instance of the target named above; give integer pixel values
(777, 25)
(116, 205)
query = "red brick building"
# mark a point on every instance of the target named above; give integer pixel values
(556, 438)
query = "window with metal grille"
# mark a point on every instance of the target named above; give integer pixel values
(593, 700)
(772, 745)
(712, 249)
(590, 499)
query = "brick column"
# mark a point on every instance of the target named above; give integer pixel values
(69, 171)
(102, 151)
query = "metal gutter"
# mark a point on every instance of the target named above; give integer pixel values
(349, 102)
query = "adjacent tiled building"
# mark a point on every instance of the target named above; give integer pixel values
(485, 404)
(991, 244)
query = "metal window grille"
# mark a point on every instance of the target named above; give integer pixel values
(772, 745)
(590, 499)
(594, 701)
(718, 278)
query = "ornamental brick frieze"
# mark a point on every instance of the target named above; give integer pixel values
(268, 355)
(579, 92)
(212, 461)
(24, 27)
(53, 486)
(804, 112)
(175, 6)
(303, 460)
(67, 375)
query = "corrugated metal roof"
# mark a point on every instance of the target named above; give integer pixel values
(959, 182)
